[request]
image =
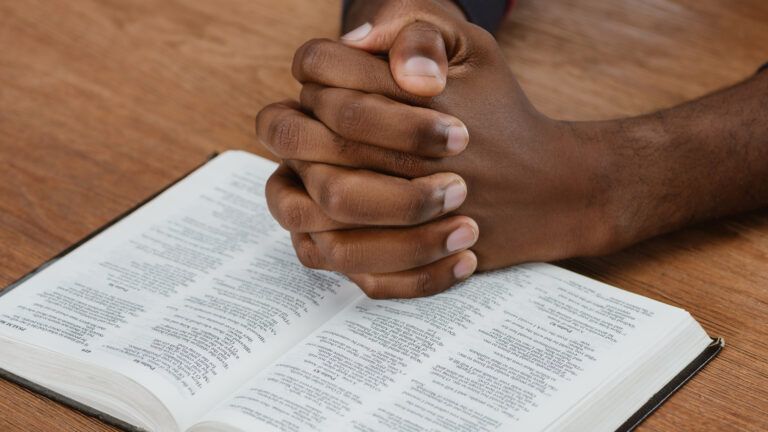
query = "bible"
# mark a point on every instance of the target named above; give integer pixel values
(192, 313)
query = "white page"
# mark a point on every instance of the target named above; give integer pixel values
(508, 350)
(189, 296)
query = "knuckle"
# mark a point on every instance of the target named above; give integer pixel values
(263, 120)
(426, 31)
(422, 284)
(310, 95)
(415, 207)
(426, 133)
(273, 195)
(351, 117)
(344, 146)
(371, 286)
(418, 250)
(309, 58)
(291, 215)
(339, 254)
(307, 254)
(272, 187)
(285, 134)
(333, 196)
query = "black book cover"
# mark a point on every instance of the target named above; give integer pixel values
(635, 420)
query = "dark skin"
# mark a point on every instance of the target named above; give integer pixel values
(380, 180)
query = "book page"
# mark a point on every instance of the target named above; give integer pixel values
(507, 350)
(189, 296)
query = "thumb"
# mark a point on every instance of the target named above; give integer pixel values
(418, 60)
(417, 53)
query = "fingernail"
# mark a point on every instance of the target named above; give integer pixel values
(464, 237)
(421, 66)
(454, 195)
(458, 138)
(359, 33)
(465, 267)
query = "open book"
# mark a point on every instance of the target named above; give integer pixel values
(192, 313)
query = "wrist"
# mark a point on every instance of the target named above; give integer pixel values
(635, 172)
(591, 217)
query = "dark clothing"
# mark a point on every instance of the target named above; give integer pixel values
(488, 14)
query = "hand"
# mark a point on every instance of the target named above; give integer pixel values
(416, 51)
(376, 155)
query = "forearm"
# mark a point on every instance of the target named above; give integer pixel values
(701, 160)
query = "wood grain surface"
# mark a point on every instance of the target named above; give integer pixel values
(103, 102)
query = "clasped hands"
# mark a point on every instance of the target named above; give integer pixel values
(410, 173)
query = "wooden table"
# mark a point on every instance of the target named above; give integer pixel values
(103, 102)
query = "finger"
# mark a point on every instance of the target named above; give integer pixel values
(379, 35)
(290, 134)
(418, 59)
(337, 65)
(385, 250)
(376, 120)
(293, 208)
(364, 197)
(332, 64)
(420, 282)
